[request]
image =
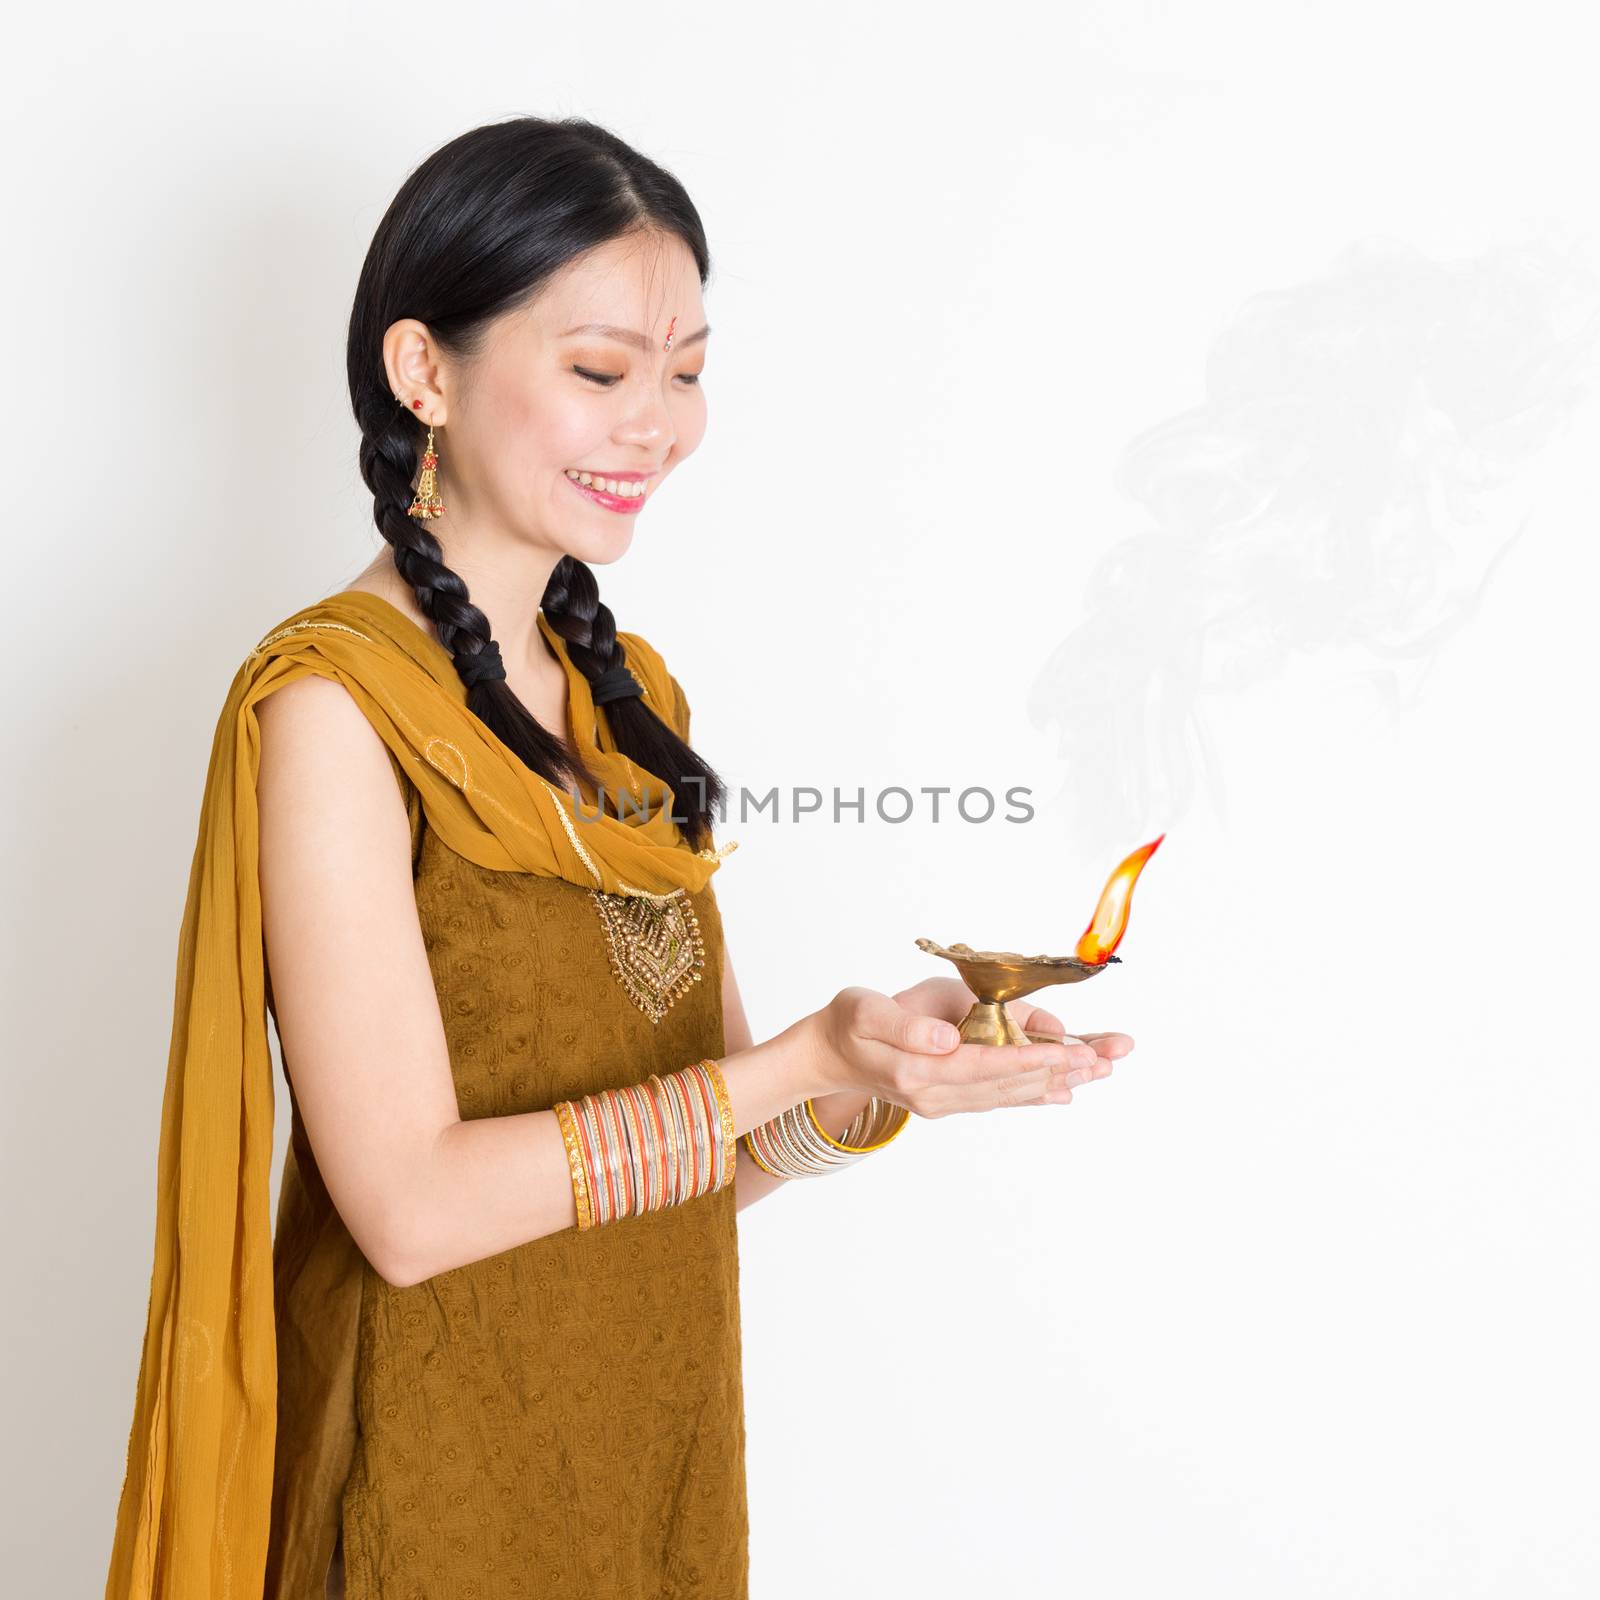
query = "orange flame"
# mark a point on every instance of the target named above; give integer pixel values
(1110, 919)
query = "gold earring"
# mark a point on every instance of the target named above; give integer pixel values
(427, 502)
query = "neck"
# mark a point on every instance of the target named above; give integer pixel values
(507, 593)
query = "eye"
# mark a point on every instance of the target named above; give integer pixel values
(607, 379)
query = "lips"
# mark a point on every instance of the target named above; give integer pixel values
(612, 502)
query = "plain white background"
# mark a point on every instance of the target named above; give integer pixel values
(1185, 412)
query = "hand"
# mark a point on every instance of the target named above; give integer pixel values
(951, 999)
(866, 1042)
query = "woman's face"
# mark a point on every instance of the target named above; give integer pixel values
(542, 402)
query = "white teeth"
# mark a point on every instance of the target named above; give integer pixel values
(626, 488)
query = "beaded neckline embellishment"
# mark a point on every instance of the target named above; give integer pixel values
(657, 952)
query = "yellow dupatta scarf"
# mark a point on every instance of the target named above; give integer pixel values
(194, 1517)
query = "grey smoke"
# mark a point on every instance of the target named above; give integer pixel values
(1334, 492)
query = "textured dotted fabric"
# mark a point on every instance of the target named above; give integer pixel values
(562, 1419)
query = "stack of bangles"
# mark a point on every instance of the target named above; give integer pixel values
(658, 1143)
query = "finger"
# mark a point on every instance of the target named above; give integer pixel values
(1016, 1088)
(986, 1065)
(1078, 1076)
(1042, 1021)
(1025, 1089)
(1083, 1055)
(1110, 1045)
(1080, 1055)
(985, 1077)
(1058, 1094)
(948, 998)
(879, 1017)
(991, 1063)
(1062, 1089)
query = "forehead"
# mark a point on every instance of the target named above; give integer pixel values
(636, 282)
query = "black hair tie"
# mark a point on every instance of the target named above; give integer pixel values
(615, 683)
(483, 665)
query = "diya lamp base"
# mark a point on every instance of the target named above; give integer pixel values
(996, 976)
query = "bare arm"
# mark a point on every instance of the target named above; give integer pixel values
(421, 1190)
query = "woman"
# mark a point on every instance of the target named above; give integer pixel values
(456, 841)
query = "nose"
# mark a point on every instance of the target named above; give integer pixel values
(648, 423)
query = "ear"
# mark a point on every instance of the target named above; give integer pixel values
(415, 368)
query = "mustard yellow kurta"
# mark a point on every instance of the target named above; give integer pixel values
(561, 1420)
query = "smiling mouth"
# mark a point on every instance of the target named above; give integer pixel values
(599, 491)
(624, 486)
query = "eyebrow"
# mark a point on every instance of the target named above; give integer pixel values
(629, 336)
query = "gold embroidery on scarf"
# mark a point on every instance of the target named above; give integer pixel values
(295, 627)
(456, 772)
(657, 952)
(464, 782)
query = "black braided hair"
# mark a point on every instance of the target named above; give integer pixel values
(476, 229)
(573, 606)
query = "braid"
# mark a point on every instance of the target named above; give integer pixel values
(389, 457)
(574, 609)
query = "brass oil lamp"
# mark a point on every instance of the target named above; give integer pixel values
(996, 976)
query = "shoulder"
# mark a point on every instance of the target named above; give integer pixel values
(664, 692)
(315, 737)
(310, 706)
(312, 719)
